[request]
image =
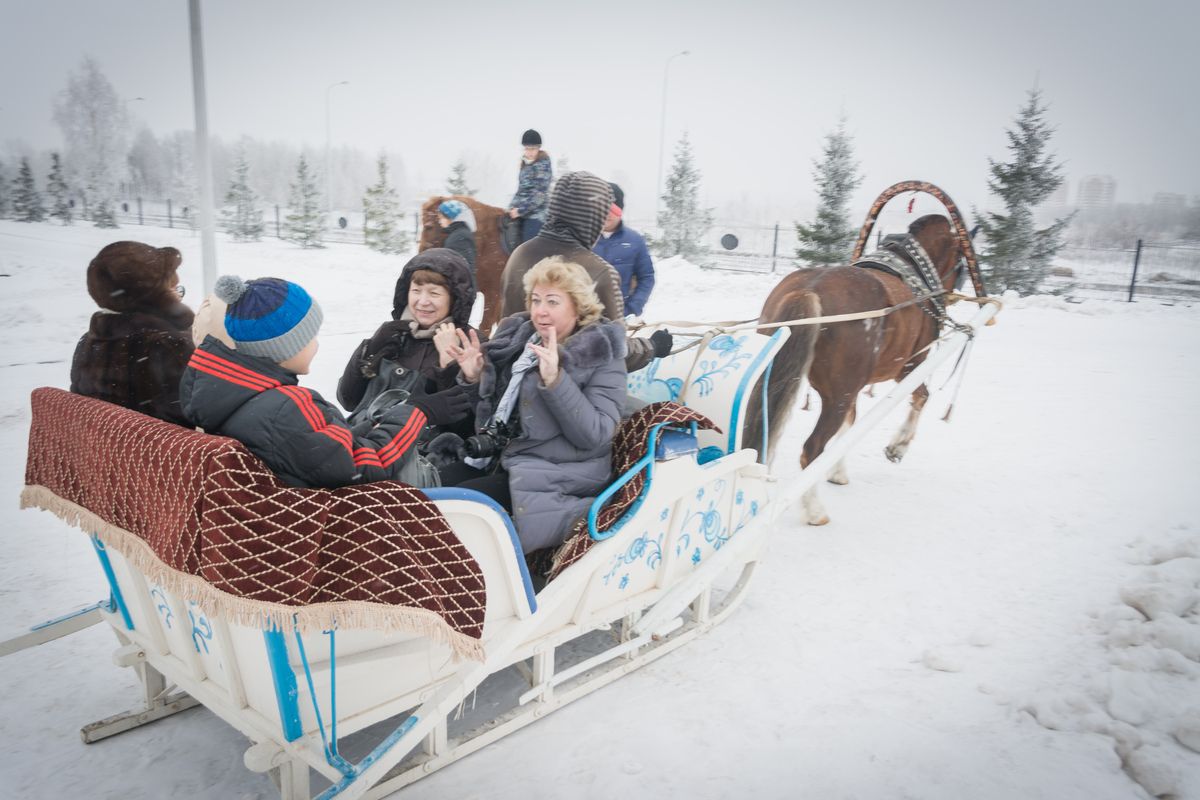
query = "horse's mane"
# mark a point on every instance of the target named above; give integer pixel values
(924, 222)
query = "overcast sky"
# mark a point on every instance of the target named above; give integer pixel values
(928, 87)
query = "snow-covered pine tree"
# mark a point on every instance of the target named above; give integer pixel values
(304, 224)
(457, 182)
(94, 123)
(27, 201)
(183, 185)
(1016, 255)
(241, 213)
(682, 222)
(56, 189)
(829, 238)
(382, 215)
(5, 200)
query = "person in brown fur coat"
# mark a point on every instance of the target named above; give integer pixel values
(139, 343)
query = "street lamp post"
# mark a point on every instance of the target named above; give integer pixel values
(208, 236)
(328, 193)
(662, 129)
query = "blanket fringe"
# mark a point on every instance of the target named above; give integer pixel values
(342, 615)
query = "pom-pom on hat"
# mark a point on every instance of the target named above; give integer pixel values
(451, 209)
(268, 317)
(127, 276)
(531, 138)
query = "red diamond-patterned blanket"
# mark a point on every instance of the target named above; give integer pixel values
(202, 516)
(629, 445)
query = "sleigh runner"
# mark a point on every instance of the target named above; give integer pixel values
(304, 616)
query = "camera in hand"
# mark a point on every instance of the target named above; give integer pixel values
(490, 441)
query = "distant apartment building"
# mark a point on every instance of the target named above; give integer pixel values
(1169, 201)
(1096, 191)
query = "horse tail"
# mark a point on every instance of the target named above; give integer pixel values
(789, 370)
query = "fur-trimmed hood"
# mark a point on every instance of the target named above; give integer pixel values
(589, 347)
(451, 266)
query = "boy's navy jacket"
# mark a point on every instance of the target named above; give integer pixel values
(298, 434)
(626, 250)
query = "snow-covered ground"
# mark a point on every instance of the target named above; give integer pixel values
(1013, 612)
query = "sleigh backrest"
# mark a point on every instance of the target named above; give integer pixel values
(714, 378)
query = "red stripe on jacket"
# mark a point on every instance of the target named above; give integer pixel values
(228, 369)
(216, 372)
(383, 457)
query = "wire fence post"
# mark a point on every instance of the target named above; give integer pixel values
(1137, 257)
(277, 236)
(140, 221)
(170, 216)
(774, 248)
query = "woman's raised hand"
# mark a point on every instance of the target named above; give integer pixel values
(547, 354)
(445, 337)
(468, 352)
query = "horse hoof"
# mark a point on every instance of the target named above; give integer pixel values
(894, 454)
(839, 480)
(821, 520)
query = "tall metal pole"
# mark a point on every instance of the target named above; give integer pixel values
(1137, 258)
(328, 192)
(662, 131)
(208, 237)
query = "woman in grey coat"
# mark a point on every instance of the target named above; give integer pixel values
(553, 379)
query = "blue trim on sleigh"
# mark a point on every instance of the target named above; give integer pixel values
(457, 493)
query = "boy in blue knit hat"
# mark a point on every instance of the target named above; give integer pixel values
(457, 219)
(252, 394)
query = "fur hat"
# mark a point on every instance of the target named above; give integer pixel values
(127, 276)
(531, 138)
(268, 317)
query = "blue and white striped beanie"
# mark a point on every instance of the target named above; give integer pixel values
(268, 317)
(450, 209)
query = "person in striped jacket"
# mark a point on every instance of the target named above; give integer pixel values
(252, 394)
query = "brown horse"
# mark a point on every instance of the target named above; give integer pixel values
(840, 358)
(490, 256)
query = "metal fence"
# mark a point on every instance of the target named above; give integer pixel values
(1168, 271)
(1147, 270)
(169, 214)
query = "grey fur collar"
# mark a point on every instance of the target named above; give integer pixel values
(589, 347)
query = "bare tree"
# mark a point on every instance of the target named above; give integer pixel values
(94, 124)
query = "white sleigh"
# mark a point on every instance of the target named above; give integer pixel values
(676, 564)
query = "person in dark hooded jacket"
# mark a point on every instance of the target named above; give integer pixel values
(458, 220)
(579, 206)
(138, 345)
(434, 295)
(252, 394)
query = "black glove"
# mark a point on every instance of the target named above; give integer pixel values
(444, 407)
(387, 342)
(662, 341)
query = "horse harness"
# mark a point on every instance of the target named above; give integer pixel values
(901, 255)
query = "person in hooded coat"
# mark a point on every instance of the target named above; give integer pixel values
(579, 205)
(434, 295)
(138, 345)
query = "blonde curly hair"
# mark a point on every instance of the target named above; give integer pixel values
(571, 278)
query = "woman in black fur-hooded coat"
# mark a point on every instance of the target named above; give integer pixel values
(140, 341)
(405, 339)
